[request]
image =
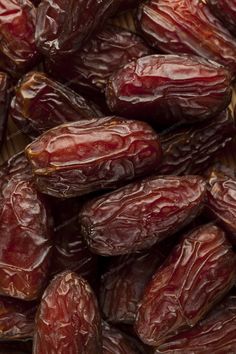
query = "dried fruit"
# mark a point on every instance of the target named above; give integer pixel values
(187, 26)
(105, 53)
(190, 150)
(62, 26)
(214, 334)
(41, 103)
(140, 214)
(225, 10)
(68, 319)
(17, 165)
(4, 101)
(78, 158)
(17, 27)
(197, 274)
(165, 89)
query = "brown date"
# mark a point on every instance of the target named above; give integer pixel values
(17, 165)
(63, 26)
(214, 334)
(167, 89)
(190, 150)
(106, 52)
(140, 214)
(4, 102)
(187, 26)
(68, 319)
(17, 27)
(197, 274)
(41, 103)
(225, 10)
(82, 157)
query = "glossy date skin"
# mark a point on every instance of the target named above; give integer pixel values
(225, 10)
(40, 104)
(140, 214)
(68, 318)
(190, 150)
(4, 102)
(167, 89)
(197, 274)
(187, 26)
(78, 158)
(63, 26)
(17, 27)
(89, 68)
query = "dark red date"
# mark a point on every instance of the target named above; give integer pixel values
(4, 103)
(140, 214)
(225, 10)
(82, 157)
(41, 103)
(187, 26)
(68, 319)
(166, 89)
(197, 274)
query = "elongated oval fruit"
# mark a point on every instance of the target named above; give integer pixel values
(197, 274)
(225, 10)
(214, 334)
(40, 104)
(140, 214)
(78, 158)
(68, 318)
(165, 89)
(187, 26)
(4, 104)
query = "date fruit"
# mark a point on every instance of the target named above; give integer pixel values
(4, 102)
(82, 157)
(41, 104)
(187, 26)
(62, 26)
(168, 89)
(106, 52)
(68, 319)
(17, 27)
(225, 10)
(16, 166)
(197, 274)
(140, 214)
(190, 150)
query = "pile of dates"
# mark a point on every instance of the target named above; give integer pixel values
(118, 221)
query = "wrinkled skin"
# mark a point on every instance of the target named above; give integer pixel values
(167, 89)
(190, 150)
(225, 10)
(187, 26)
(197, 274)
(40, 104)
(16, 319)
(68, 318)
(4, 102)
(89, 68)
(17, 27)
(78, 158)
(16, 165)
(140, 214)
(214, 334)
(63, 26)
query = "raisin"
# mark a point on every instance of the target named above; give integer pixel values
(140, 214)
(62, 26)
(225, 10)
(78, 158)
(190, 150)
(106, 52)
(17, 46)
(68, 320)
(167, 89)
(41, 103)
(197, 274)
(214, 334)
(187, 26)
(4, 102)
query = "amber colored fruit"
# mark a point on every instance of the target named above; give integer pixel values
(140, 214)
(214, 334)
(41, 103)
(106, 52)
(191, 150)
(17, 27)
(4, 104)
(197, 274)
(225, 10)
(187, 26)
(78, 158)
(68, 319)
(62, 26)
(167, 89)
